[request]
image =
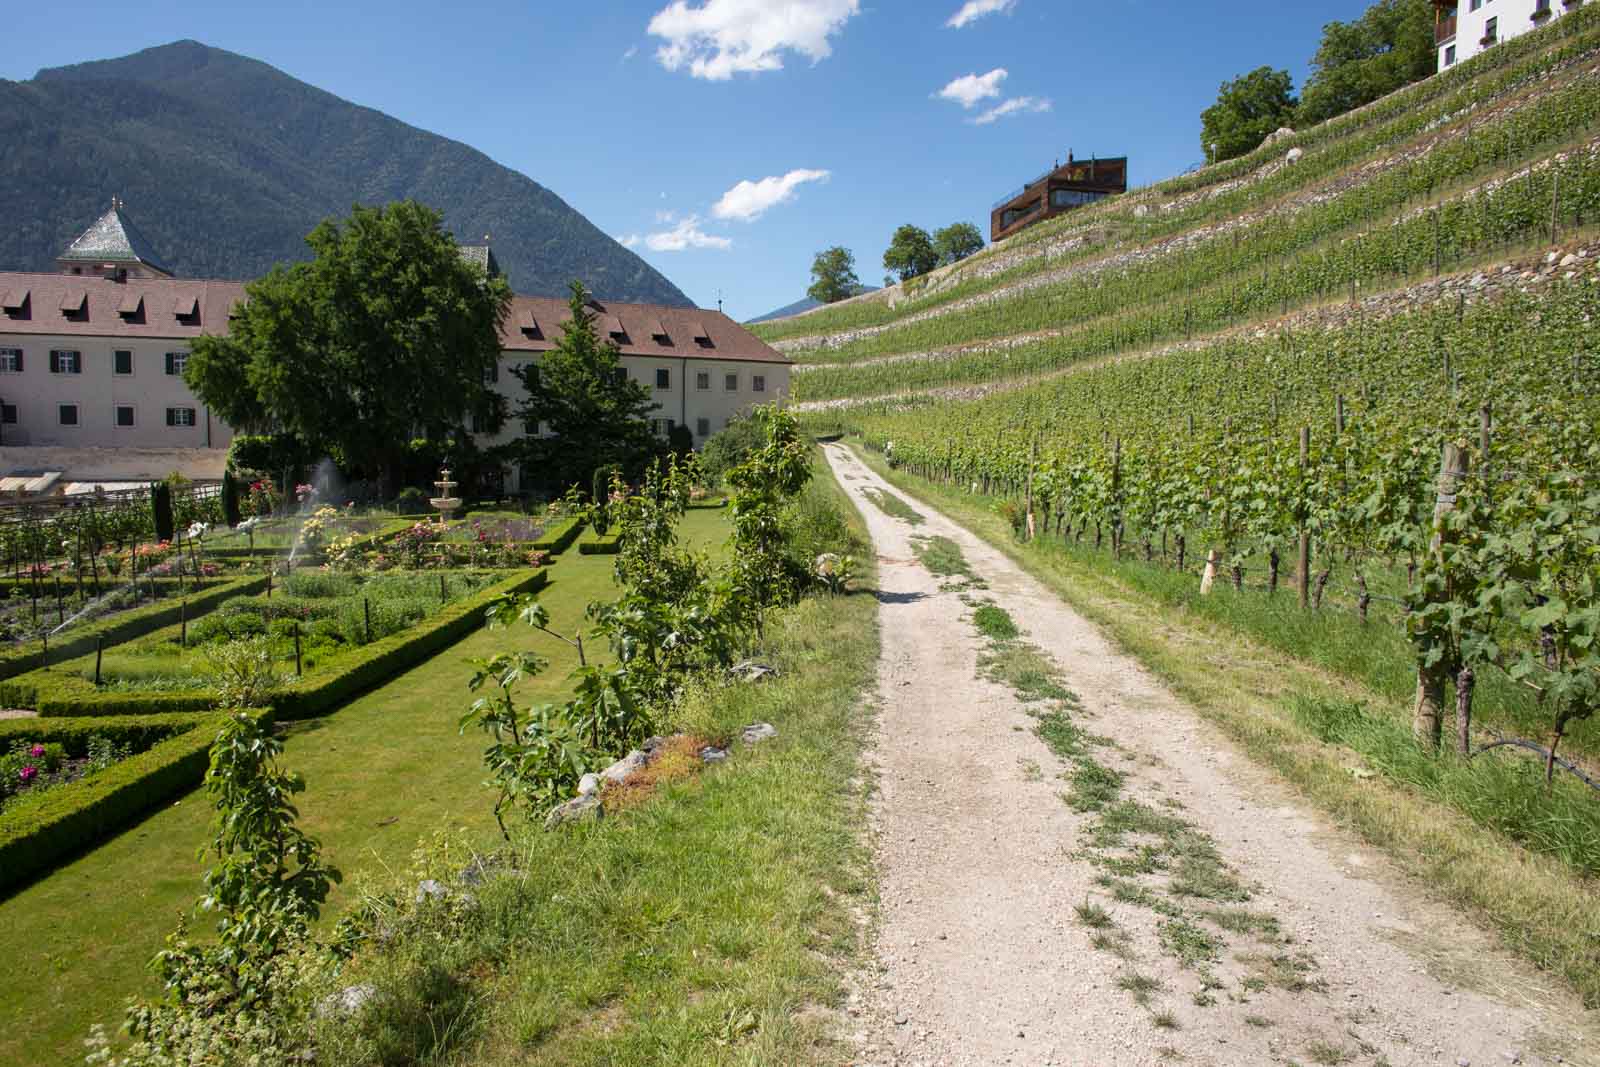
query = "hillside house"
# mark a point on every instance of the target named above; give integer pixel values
(1063, 188)
(1463, 28)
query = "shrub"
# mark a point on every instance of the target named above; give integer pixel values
(412, 501)
(245, 673)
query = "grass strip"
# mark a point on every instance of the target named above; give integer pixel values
(705, 927)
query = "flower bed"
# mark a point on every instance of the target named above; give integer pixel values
(37, 833)
(33, 767)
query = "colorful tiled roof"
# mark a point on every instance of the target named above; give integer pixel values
(112, 239)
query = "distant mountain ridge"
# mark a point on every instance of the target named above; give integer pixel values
(227, 163)
(806, 304)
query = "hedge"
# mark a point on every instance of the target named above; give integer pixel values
(38, 835)
(600, 546)
(125, 626)
(138, 732)
(72, 697)
(561, 539)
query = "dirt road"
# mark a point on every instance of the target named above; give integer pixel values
(1080, 871)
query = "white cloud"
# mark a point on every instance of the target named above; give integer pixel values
(973, 10)
(971, 89)
(666, 216)
(685, 235)
(629, 240)
(632, 51)
(1020, 105)
(721, 38)
(749, 200)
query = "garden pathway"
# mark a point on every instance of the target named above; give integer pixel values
(980, 957)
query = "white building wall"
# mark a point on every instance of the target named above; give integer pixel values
(1512, 18)
(98, 391)
(729, 389)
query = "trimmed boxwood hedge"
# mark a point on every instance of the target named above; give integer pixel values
(72, 817)
(600, 546)
(138, 732)
(125, 626)
(75, 816)
(560, 539)
(307, 698)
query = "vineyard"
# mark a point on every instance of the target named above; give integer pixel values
(1359, 382)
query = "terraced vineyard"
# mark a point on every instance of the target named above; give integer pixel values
(1360, 365)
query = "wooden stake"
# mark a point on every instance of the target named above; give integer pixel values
(297, 649)
(1338, 413)
(366, 610)
(1303, 580)
(183, 624)
(99, 650)
(1427, 714)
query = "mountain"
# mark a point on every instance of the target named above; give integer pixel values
(803, 305)
(227, 163)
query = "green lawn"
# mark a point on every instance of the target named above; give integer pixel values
(381, 773)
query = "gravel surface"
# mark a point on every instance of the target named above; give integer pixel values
(979, 957)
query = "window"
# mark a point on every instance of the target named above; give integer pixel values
(8, 413)
(1475, 5)
(479, 423)
(124, 415)
(67, 414)
(66, 361)
(122, 362)
(11, 360)
(758, 383)
(491, 374)
(1450, 56)
(176, 361)
(702, 427)
(730, 383)
(663, 378)
(702, 380)
(1073, 197)
(1541, 7)
(180, 416)
(1491, 31)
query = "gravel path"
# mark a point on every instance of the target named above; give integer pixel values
(980, 957)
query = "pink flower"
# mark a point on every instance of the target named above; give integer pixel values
(29, 773)
(37, 751)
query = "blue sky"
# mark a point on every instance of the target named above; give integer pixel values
(647, 116)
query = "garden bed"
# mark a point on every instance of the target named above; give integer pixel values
(36, 832)
(310, 621)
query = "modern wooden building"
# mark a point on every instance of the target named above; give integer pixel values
(1057, 191)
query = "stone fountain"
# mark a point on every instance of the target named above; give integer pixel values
(446, 502)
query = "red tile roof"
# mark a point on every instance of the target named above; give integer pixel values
(50, 296)
(532, 324)
(642, 325)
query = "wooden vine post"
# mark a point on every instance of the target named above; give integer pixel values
(1302, 580)
(1427, 714)
(1116, 500)
(1033, 460)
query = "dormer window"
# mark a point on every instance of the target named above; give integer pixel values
(14, 302)
(187, 310)
(132, 308)
(75, 304)
(701, 337)
(613, 327)
(530, 325)
(658, 333)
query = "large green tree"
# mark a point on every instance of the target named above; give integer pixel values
(594, 414)
(1389, 46)
(387, 335)
(910, 252)
(833, 275)
(956, 242)
(1248, 108)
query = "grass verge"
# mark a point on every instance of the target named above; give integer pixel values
(703, 927)
(1542, 908)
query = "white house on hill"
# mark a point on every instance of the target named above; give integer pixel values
(1463, 28)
